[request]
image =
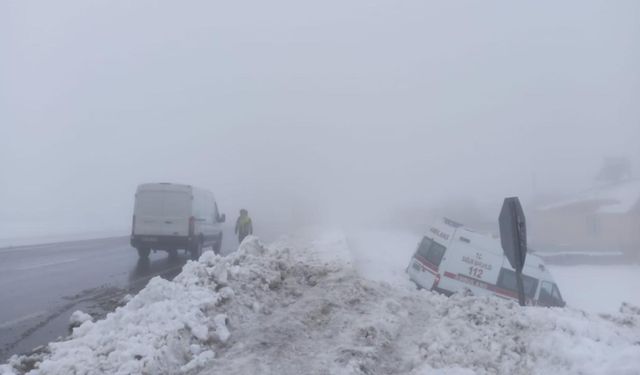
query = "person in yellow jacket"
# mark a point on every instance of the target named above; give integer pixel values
(244, 226)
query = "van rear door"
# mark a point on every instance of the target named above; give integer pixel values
(162, 212)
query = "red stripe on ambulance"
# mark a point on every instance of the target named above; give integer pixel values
(481, 284)
(430, 267)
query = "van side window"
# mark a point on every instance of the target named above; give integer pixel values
(216, 214)
(507, 280)
(431, 251)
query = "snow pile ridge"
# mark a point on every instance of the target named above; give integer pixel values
(299, 306)
(78, 317)
(168, 327)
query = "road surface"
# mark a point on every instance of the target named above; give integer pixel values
(41, 285)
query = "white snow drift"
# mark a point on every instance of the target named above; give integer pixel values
(300, 307)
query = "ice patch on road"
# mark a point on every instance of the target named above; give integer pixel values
(33, 266)
(302, 306)
(22, 319)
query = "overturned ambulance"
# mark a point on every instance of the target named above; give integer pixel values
(451, 258)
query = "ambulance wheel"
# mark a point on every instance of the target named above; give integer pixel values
(143, 252)
(196, 250)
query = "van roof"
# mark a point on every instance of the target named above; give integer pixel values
(165, 186)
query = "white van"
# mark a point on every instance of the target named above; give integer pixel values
(451, 258)
(173, 216)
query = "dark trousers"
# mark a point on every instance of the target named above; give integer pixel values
(241, 236)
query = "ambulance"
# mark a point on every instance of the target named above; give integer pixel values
(451, 258)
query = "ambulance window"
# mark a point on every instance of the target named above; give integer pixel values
(423, 249)
(507, 280)
(431, 251)
(436, 252)
(549, 294)
(556, 293)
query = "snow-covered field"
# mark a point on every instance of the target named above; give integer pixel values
(333, 304)
(598, 288)
(383, 256)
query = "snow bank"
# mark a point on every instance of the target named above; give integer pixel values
(78, 317)
(299, 306)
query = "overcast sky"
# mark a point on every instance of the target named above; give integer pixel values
(330, 106)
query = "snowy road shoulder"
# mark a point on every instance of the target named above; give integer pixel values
(300, 306)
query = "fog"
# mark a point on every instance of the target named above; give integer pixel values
(307, 112)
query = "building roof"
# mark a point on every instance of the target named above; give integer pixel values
(613, 198)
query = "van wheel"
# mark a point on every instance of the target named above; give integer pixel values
(218, 245)
(143, 252)
(196, 250)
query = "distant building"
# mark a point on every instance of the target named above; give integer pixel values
(606, 218)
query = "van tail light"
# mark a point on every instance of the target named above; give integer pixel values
(133, 225)
(192, 224)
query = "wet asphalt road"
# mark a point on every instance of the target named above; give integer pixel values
(41, 285)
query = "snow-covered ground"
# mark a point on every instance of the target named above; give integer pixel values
(598, 288)
(383, 256)
(314, 304)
